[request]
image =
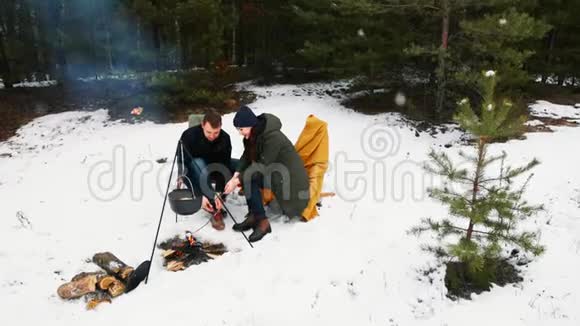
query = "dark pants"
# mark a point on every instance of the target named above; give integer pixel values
(203, 175)
(254, 196)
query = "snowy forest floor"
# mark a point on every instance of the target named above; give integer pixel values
(77, 183)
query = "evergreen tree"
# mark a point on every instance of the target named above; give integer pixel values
(500, 40)
(486, 214)
(557, 54)
(476, 35)
(353, 38)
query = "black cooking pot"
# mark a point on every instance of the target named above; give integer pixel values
(183, 202)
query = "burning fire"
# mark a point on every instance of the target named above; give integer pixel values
(190, 238)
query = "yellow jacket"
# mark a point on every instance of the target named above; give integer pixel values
(312, 146)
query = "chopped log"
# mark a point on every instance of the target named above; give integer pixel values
(125, 273)
(116, 288)
(96, 298)
(175, 266)
(106, 282)
(79, 287)
(85, 274)
(113, 265)
(92, 304)
(168, 253)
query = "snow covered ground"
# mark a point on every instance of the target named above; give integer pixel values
(546, 109)
(75, 184)
(32, 83)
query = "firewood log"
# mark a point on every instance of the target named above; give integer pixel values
(113, 265)
(175, 266)
(79, 287)
(116, 288)
(167, 254)
(106, 282)
(96, 298)
(85, 274)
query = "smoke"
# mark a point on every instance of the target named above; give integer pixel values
(94, 37)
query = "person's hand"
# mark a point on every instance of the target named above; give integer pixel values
(179, 183)
(206, 205)
(231, 185)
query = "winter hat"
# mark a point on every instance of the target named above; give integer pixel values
(245, 118)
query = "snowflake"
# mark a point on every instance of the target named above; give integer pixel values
(400, 99)
(463, 101)
(361, 33)
(503, 21)
(490, 73)
(489, 107)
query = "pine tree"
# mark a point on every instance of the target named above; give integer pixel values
(484, 216)
(500, 40)
(557, 53)
(477, 35)
(347, 38)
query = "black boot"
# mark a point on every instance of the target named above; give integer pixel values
(247, 224)
(262, 228)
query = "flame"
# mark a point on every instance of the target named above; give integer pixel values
(190, 238)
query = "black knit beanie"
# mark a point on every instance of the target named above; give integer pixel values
(245, 118)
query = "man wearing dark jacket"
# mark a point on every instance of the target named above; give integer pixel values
(206, 159)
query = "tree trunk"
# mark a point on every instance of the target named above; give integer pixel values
(157, 45)
(178, 50)
(550, 55)
(478, 171)
(441, 70)
(93, 27)
(234, 30)
(185, 45)
(138, 35)
(5, 70)
(60, 54)
(109, 43)
(36, 37)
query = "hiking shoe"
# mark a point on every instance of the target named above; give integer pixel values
(217, 221)
(262, 228)
(247, 224)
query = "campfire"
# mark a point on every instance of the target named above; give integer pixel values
(179, 253)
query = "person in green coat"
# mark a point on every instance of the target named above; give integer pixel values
(269, 161)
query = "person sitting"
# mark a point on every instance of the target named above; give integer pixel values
(269, 161)
(206, 159)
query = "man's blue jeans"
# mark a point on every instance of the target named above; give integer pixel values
(202, 175)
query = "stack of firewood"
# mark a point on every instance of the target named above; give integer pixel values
(98, 287)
